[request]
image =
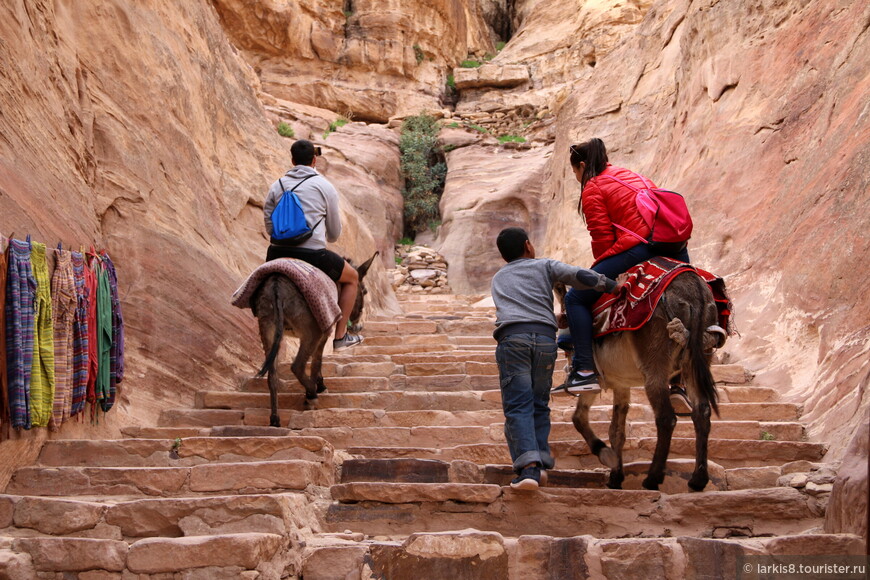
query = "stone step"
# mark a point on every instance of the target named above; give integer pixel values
(561, 426)
(222, 556)
(367, 349)
(404, 508)
(399, 327)
(225, 403)
(247, 477)
(452, 554)
(410, 470)
(574, 454)
(183, 452)
(107, 518)
(343, 436)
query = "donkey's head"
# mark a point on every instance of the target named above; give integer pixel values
(356, 313)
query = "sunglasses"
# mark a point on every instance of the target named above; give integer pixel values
(574, 149)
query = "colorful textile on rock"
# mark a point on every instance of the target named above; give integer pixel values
(80, 336)
(20, 310)
(116, 359)
(319, 291)
(63, 309)
(646, 283)
(42, 377)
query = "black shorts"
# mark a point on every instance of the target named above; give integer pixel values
(326, 260)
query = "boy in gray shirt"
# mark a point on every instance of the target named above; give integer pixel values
(525, 328)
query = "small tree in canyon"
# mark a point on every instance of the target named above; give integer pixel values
(424, 170)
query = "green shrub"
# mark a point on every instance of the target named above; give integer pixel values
(767, 436)
(499, 46)
(285, 130)
(418, 53)
(406, 242)
(424, 171)
(511, 138)
(451, 82)
(340, 122)
(470, 63)
(478, 128)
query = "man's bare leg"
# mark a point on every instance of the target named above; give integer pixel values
(348, 285)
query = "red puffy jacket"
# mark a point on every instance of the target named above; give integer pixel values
(606, 202)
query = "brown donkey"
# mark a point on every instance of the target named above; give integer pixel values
(678, 339)
(280, 308)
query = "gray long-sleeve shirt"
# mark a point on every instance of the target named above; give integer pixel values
(523, 292)
(317, 197)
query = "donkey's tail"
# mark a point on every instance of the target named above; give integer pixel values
(699, 362)
(279, 327)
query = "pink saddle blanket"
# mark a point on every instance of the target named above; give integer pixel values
(316, 287)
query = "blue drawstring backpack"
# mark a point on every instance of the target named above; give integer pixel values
(289, 225)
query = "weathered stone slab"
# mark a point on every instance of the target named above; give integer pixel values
(334, 562)
(394, 470)
(732, 374)
(73, 554)
(156, 555)
(199, 418)
(752, 477)
(271, 475)
(636, 558)
(443, 555)
(57, 517)
(415, 492)
(221, 514)
(64, 481)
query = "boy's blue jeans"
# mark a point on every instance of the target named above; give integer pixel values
(525, 368)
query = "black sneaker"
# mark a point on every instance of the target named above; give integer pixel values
(529, 479)
(577, 384)
(680, 401)
(346, 341)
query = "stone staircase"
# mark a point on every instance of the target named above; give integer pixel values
(401, 472)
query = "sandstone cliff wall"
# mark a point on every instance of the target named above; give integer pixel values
(757, 111)
(136, 126)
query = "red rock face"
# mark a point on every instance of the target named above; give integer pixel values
(138, 128)
(758, 114)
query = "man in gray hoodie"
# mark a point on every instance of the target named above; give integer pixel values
(525, 328)
(319, 201)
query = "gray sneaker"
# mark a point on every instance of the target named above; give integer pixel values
(346, 341)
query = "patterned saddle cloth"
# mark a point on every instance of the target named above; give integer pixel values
(316, 287)
(646, 283)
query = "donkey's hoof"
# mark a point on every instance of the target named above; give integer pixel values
(650, 484)
(321, 388)
(274, 421)
(696, 486)
(607, 457)
(311, 397)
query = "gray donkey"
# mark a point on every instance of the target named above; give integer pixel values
(678, 339)
(280, 307)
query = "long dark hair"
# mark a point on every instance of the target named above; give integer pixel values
(594, 154)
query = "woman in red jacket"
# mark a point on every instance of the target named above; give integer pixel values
(618, 242)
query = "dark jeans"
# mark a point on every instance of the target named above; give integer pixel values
(525, 368)
(578, 303)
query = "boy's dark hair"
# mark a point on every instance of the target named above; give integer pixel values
(302, 152)
(511, 243)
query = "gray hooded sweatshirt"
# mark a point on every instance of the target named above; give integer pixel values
(318, 199)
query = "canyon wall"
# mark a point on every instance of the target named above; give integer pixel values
(137, 127)
(757, 111)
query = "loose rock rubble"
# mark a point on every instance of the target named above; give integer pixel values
(420, 270)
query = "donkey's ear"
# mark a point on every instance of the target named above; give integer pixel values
(364, 268)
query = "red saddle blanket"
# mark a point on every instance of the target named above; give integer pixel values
(634, 305)
(318, 289)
